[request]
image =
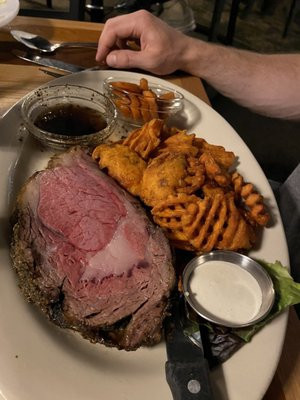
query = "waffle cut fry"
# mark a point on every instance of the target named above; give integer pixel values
(204, 224)
(146, 139)
(179, 142)
(221, 156)
(215, 171)
(173, 215)
(255, 208)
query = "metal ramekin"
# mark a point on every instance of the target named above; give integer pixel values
(257, 271)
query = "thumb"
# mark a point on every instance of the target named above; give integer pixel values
(125, 59)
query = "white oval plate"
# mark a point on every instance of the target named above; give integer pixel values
(41, 361)
(8, 11)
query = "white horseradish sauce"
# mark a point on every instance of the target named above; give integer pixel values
(226, 291)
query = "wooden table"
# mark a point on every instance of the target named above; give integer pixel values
(18, 77)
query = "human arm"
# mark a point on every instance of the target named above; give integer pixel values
(268, 84)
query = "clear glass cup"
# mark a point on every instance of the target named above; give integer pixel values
(134, 109)
(46, 98)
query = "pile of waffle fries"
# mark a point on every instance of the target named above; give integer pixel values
(192, 187)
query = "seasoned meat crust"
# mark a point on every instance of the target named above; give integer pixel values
(88, 256)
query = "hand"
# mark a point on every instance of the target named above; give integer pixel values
(162, 47)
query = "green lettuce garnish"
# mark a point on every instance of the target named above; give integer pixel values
(287, 293)
(221, 342)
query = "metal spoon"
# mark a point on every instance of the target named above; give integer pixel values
(39, 43)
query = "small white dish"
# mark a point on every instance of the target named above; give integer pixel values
(228, 288)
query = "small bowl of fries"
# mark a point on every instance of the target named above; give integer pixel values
(139, 101)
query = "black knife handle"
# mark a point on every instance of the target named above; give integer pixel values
(189, 381)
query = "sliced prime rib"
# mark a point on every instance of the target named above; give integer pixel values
(86, 253)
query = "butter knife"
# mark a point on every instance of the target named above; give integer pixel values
(48, 62)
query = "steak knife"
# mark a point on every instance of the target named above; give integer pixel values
(48, 62)
(187, 370)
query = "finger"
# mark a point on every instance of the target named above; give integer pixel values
(121, 27)
(115, 30)
(127, 59)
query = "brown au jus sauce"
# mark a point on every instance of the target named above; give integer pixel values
(71, 120)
